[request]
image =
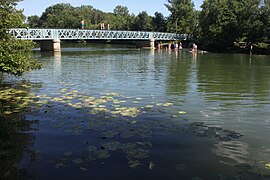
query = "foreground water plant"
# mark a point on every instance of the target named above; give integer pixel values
(115, 125)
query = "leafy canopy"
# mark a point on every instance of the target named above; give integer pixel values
(183, 17)
(14, 54)
(226, 22)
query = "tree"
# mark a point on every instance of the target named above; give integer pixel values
(33, 21)
(183, 17)
(119, 18)
(14, 58)
(92, 17)
(261, 37)
(121, 10)
(224, 23)
(143, 22)
(159, 22)
(60, 16)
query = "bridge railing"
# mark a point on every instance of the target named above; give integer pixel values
(68, 34)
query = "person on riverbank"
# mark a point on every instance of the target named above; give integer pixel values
(180, 45)
(194, 47)
(82, 22)
(102, 25)
(250, 50)
(159, 46)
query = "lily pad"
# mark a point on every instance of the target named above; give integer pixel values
(83, 169)
(167, 104)
(102, 154)
(90, 157)
(77, 161)
(267, 165)
(182, 112)
(67, 153)
(7, 112)
(127, 134)
(110, 134)
(91, 148)
(149, 106)
(127, 146)
(112, 146)
(145, 144)
(59, 165)
(180, 167)
(134, 164)
(137, 153)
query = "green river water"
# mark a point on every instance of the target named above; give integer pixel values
(112, 112)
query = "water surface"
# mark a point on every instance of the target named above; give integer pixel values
(112, 112)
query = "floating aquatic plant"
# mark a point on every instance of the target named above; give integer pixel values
(91, 148)
(111, 146)
(180, 167)
(182, 112)
(267, 165)
(134, 164)
(137, 153)
(67, 153)
(77, 161)
(102, 154)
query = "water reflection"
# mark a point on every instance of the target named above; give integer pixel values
(178, 75)
(194, 57)
(57, 63)
(14, 128)
(152, 54)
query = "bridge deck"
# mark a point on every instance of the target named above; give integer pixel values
(69, 34)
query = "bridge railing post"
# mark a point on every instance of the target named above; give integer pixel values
(55, 34)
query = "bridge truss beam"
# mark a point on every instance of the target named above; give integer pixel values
(70, 34)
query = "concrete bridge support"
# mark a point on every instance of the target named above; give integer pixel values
(152, 43)
(52, 45)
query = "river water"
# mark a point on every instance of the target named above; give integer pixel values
(117, 112)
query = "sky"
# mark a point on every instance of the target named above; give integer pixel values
(36, 7)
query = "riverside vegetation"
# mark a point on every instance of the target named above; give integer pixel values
(219, 25)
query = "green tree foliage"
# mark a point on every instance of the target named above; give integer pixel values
(219, 22)
(33, 21)
(67, 16)
(183, 17)
(226, 22)
(159, 22)
(60, 16)
(119, 19)
(14, 58)
(262, 38)
(91, 17)
(121, 10)
(219, 25)
(143, 22)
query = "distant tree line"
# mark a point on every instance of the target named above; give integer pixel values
(219, 25)
(67, 16)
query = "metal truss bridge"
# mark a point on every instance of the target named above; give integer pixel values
(73, 34)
